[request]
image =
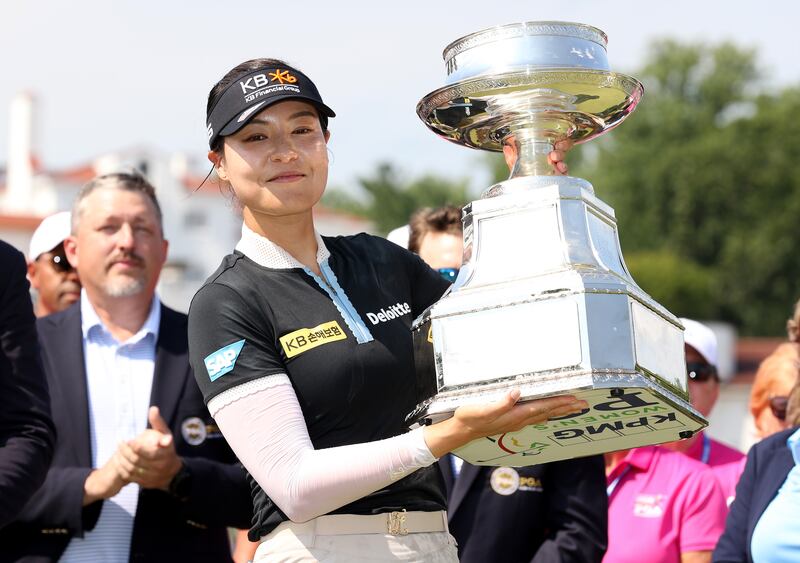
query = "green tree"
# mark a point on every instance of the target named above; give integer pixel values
(389, 199)
(683, 287)
(708, 172)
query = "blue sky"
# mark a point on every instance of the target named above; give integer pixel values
(113, 74)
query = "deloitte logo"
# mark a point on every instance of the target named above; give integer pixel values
(393, 312)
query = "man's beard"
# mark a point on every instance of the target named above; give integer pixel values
(124, 286)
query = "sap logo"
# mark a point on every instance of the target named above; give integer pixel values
(222, 361)
(254, 82)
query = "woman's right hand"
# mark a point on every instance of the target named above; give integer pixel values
(471, 422)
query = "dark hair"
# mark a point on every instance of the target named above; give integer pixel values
(232, 75)
(127, 181)
(445, 219)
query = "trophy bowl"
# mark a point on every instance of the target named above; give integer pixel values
(543, 302)
(546, 80)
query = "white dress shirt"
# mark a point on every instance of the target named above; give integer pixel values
(119, 378)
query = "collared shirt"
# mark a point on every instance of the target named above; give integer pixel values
(342, 338)
(725, 462)
(663, 504)
(776, 537)
(119, 378)
(266, 253)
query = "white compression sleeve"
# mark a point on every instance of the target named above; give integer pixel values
(267, 431)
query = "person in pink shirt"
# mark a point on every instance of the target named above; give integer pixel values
(726, 462)
(664, 507)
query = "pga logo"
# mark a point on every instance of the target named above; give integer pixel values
(222, 361)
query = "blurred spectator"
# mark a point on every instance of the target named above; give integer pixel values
(435, 234)
(664, 507)
(770, 392)
(562, 504)
(763, 525)
(26, 430)
(51, 275)
(774, 379)
(140, 471)
(703, 382)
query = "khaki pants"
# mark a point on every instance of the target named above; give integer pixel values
(292, 542)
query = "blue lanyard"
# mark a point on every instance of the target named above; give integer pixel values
(706, 449)
(613, 485)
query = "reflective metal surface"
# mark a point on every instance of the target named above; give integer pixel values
(525, 45)
(587, 104)
(536, 83)
(544, 302)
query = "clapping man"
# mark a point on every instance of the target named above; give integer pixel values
(141, 472)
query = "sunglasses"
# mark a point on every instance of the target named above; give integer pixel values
(59, 262)
(700, 371)
(778, 406)
(449, 274)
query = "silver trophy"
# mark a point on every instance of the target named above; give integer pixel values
(544, 302)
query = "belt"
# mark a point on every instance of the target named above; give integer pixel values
(392, 523)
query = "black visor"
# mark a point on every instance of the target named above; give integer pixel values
(249, 94)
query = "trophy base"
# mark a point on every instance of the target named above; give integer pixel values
(544, 304)
(625, 411)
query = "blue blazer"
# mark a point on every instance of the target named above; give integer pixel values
(165, 528)
(768, 464)
(558, 514)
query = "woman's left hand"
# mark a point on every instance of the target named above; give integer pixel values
(556, 157)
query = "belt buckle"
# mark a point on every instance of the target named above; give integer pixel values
(395, 523)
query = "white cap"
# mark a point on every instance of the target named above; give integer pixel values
(400, 236)
(50, 233)
(702, 339)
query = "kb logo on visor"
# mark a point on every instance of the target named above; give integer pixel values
(282, 76)
(261, 80)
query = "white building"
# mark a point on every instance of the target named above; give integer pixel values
(202, 224)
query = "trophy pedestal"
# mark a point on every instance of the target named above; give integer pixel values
(557, 313)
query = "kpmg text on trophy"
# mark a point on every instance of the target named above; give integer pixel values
(544, 302)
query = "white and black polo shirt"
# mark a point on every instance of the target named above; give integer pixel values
(344, 341)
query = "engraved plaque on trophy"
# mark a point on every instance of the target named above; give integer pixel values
(544, 302)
